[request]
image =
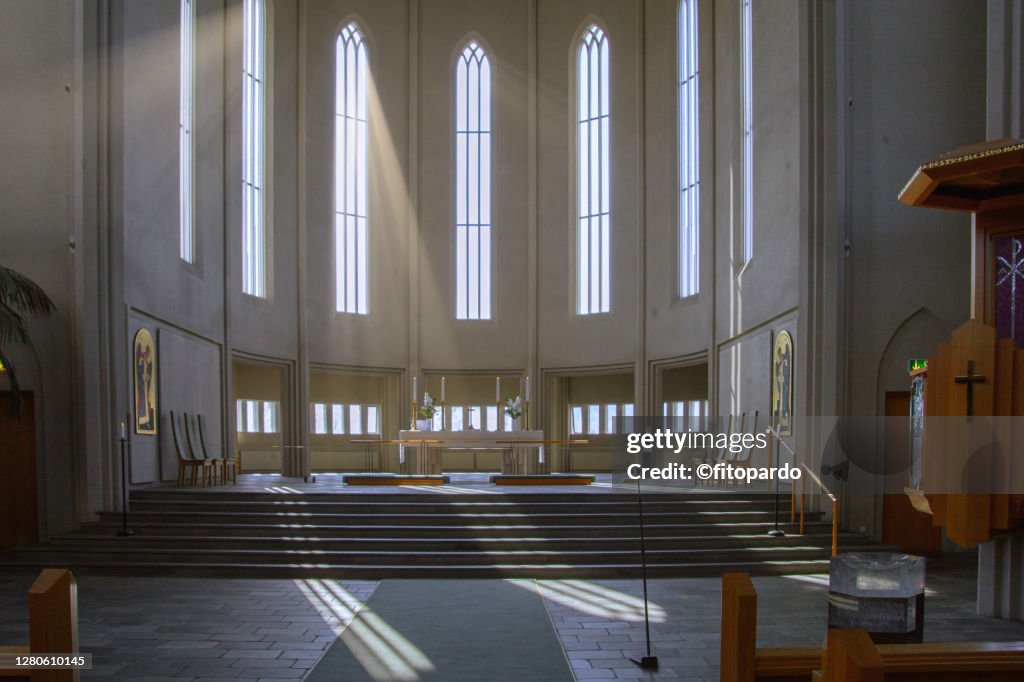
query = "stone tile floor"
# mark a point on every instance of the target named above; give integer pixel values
(142, 628)
(197, 629)
(601, 624)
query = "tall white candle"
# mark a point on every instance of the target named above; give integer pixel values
(123, 432)
(443, 381)
(526, 395)
(415, 394)
(497, 389)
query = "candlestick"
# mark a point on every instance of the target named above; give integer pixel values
(526, 414)
(124, 532)
(412, 425)
(444, 412)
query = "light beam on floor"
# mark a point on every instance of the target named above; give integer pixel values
(382, 651)
(597, 600)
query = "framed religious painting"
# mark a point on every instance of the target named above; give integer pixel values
(144, 374)
(782, 383)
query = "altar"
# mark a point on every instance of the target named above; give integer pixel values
(419, 452)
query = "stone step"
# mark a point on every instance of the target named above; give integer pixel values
(443, 506)
(448, 518)
(462, 494)
(605, 569)
(304, 530)
(276, 533)
(79, 541)
(64, 556)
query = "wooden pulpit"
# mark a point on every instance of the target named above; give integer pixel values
(977, 379)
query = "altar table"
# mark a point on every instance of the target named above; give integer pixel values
(514, 444)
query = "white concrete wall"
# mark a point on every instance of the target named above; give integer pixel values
(915, 87)
(37, 51)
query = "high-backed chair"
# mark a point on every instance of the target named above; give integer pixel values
(226, 464)
(743, 459)
(209, 465)
(186, 462)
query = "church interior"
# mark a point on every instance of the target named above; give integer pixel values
(324, 325)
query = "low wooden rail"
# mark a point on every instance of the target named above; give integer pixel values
(807, 473)
(831, 496)
(850, 655)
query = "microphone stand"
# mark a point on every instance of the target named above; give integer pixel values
(648, 662)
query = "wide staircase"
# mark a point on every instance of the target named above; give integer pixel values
(379, 535)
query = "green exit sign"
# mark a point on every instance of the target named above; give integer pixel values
(914, 364)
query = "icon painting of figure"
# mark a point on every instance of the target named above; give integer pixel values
(145, 383)
(782, 383)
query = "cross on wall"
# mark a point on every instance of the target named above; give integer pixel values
(970, 379)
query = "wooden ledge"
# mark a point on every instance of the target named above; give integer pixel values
(542, 479)
(394, 479)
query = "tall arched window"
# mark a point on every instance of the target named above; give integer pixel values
(254, 233)
(689, 151)
(350, 171)
(747, 49)
(593, 236)
(186, 165)
(473, 185)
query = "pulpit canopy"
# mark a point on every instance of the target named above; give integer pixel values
(977, 178)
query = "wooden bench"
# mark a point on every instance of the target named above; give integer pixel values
(851, 656)
(52, 626)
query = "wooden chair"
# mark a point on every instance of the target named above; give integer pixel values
(227, 464)
(724, 456)
(710, 456)
(192, 439)
(735, 460)
(52, 626)
(187, 463)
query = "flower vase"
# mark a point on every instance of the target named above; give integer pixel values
(424, 424)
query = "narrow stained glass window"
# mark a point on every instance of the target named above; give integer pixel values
(747, 39)
(1009, 288)
(689, 148)
(186, 146)
(473, 185)
(350, 171)
(254, 234)
(593, 236)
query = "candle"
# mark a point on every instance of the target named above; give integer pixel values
(123, 432)
(443, 381)
(526, 393)
(497, 389)
(415, 395)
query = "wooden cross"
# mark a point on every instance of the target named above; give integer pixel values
(970, 379)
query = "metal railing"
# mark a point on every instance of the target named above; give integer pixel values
(807, 473)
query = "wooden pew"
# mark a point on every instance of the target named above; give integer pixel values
(852, 657)
(52, 626)
(848, 657)
(741, 660)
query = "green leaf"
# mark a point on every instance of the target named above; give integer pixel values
(12, 325)
(24, 295)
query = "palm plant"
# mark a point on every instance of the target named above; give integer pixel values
(19, 296)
